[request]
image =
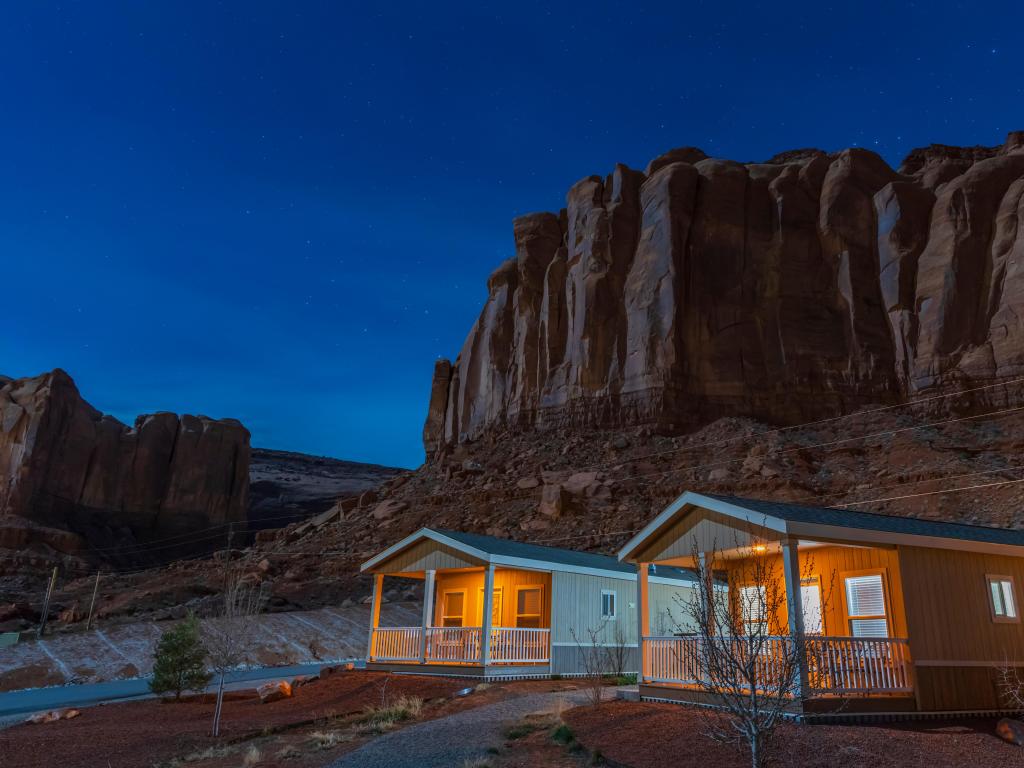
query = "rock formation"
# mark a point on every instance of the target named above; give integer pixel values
(787, 290)
(65, 467)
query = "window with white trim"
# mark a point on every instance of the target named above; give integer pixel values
(865, 605)
(608, 603)
(810, 599)
(1002, 598)
(453, 607)
(753, 609)
(529, 606)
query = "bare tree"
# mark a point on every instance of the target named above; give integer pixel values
(230, 636)
(593, 659)
(1010, 687)
(616, 652)
(744, 656)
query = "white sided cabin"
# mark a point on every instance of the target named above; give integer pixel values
(499, 609)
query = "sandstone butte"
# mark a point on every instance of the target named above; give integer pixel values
(793, 289)
(74, 479)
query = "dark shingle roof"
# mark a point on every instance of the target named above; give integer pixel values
(873, 521)
(495, 546)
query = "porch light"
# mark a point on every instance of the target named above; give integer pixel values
(760, 548)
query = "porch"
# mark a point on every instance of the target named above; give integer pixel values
(478, 619)
(820, 619)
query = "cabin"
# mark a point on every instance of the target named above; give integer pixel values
(500, 609)
(893, 614)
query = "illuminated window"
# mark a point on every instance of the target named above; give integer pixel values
(452, 609)
(753, 610)
(529, 606)
(865, 605)
(608, 599)
(1002, 599)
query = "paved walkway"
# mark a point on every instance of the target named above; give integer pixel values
(450, 741)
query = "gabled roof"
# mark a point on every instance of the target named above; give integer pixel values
(506, 552)
(803, 521)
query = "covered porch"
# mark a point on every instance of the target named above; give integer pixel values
(837, 630)
(479, 619)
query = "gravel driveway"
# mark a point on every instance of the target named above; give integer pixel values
(449, 741)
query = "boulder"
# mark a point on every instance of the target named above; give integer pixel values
(527, 483)
(554, 501)
(275, 691)
(1010, 730)
(388, 509)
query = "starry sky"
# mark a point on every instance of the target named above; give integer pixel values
(283, 212)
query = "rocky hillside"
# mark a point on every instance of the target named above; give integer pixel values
(787, 290)
(285, 486)
(76, 484)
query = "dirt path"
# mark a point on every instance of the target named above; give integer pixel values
(452, 740)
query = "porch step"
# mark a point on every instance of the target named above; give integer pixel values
(628, 693)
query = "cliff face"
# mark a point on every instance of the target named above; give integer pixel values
(785, 291)
(64, 466)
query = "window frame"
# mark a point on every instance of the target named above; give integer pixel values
(539, 616)
(999, 578)
(815, 582)
(742, 604)
(887, 617)
(614, 602)
(444, 607)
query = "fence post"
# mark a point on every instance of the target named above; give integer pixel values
(92, 604)
(46, 603)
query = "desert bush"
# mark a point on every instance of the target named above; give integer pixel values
(253, 756)
(290, 752)
(379, 719)
(563, 734)
(180, 661)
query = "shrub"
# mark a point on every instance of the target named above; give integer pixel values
(563, 734)
(379, 719)
(179, 662)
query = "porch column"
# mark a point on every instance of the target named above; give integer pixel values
(428, 612)
(485, 630)
(706, 574)
(795, 611)
(378, 589)
(643, 615)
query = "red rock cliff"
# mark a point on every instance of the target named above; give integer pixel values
(785, 290)
(64, 465)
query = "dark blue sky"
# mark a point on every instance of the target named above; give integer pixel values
(283, 212)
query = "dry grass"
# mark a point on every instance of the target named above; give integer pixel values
(253, 756)
(329, 739)
(380, 719)
(290, 752)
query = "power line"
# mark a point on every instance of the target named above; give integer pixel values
(932, 493)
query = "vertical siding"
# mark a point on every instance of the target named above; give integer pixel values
(830, 565)
(426, 556)
(578, 602)
(705, 531)
(668, 608)
(505, 579)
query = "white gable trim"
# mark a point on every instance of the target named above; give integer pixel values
(507, 560)
(812, 531)
(420, 535)
(705, 502)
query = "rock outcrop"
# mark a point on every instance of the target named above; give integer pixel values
(787, 290)
(65, 467)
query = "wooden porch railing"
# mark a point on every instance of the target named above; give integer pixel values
(517, 645)
(461, 645)
(396, 644)
(835, 665)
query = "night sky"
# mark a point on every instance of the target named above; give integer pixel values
(284, 212)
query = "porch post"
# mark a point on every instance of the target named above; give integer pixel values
(378, 589)
(485, 630)
(795, 612)
(428, 612)
(643, 614)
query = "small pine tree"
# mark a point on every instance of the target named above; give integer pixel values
(180, 660)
